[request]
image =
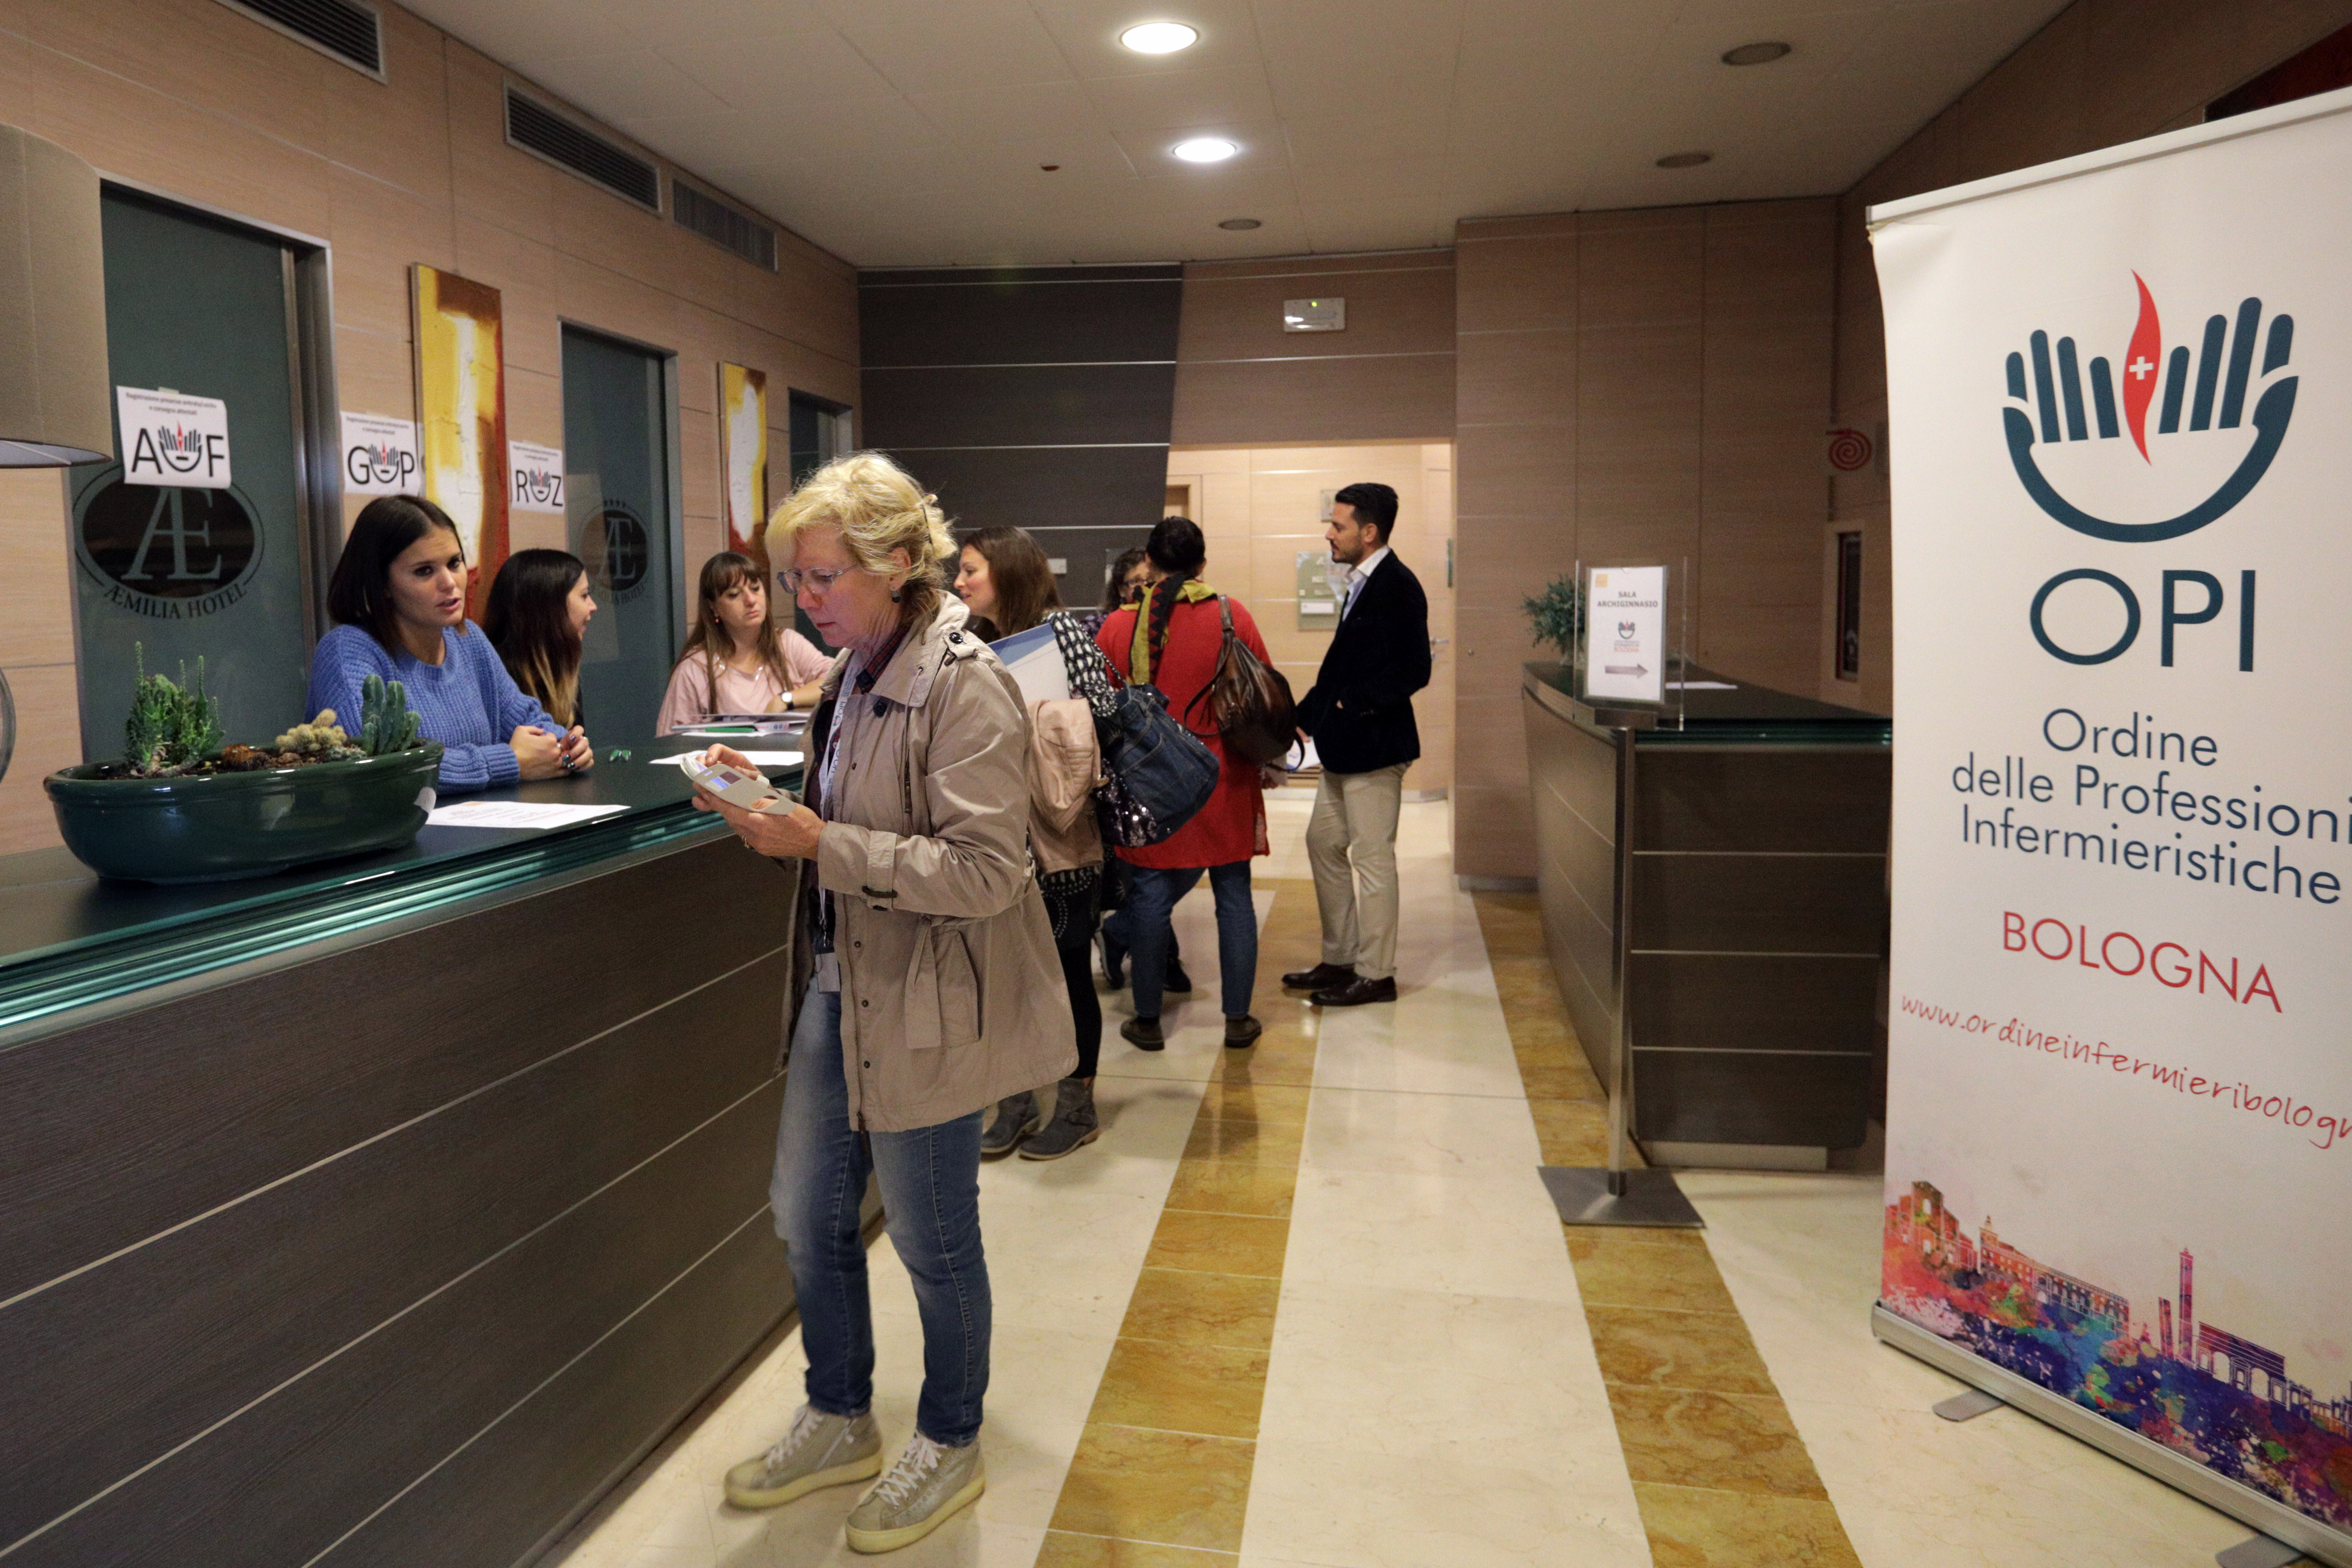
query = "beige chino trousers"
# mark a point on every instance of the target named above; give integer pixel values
(1351, 845)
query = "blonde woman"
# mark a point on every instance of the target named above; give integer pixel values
(737, 660)
(924, 971)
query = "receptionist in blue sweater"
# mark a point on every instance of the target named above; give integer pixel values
(398, 598)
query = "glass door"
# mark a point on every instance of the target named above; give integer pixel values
(616, 460)
(202, 311)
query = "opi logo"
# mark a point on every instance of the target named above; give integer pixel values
(2199, 401)
(1625, 630)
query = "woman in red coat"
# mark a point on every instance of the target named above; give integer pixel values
(1184, 630)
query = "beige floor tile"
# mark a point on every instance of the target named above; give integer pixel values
(1691, 1528)
(1184, 1307)
(1219, 1244)
(1167, 1487)
(1440, 1134)
(1171, 1387)
(1215, 1187)
(1489, 1235)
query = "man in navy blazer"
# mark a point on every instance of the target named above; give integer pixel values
(1359, 713)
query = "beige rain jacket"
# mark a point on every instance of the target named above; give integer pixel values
(952, 995)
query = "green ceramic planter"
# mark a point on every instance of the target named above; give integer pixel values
(229, 826)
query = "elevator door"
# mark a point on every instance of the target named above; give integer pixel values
(620, 521)
(204, 309)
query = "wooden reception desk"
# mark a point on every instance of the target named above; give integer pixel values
(1758, 912)
(384, 1212)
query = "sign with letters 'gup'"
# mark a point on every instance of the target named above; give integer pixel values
(169, 438)
(1625, 633)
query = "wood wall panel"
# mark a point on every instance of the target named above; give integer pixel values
(204, 105)
(2099, 73)
(1241, 381)
(1651, 387)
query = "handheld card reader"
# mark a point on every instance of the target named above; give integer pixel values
(736, 787)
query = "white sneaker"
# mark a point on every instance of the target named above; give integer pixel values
(820, 1450)
(923, 1489)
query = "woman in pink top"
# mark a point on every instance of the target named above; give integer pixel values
(737, 660)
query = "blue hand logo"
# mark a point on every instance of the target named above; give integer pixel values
(2224, 366)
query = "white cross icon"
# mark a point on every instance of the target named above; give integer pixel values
(2140, 367)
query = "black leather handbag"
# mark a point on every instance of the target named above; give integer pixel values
(1249, 701)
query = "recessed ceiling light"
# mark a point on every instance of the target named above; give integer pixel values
(1241, 223)
(1205, 150)
(1762, 54)
(1159, 38)
(1684, 160)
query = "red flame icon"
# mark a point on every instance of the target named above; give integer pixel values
(2140, 362)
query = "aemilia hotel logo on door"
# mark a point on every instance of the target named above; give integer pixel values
(2178, 485)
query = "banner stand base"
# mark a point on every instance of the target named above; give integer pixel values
(2262, 1551)
(1581, 1194)
(1967, 1406)
(2282, 1525)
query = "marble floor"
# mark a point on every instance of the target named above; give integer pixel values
(1307, 1304)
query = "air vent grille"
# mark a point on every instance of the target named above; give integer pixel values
(351, 33)
(721, 224)
(536, 128)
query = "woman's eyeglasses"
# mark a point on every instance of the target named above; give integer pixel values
(818, 580)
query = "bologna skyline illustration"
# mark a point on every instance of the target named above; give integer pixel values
(2191, 1385)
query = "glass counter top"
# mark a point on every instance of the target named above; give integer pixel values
(70, 938)
(1716, 710)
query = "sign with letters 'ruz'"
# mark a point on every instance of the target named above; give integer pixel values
(2120, 1108)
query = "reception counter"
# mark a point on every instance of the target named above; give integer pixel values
(383, 1212)
(1755, 835)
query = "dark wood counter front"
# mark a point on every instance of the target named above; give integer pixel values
(399, 1243)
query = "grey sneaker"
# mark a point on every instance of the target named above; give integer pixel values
(926, 1485)
(820, 1450)
(1075, 1123)
(1017, 1116)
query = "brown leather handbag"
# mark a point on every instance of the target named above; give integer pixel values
(1249, 701)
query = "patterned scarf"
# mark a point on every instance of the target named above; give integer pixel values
(1153, 618)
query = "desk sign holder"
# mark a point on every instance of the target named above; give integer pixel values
(1620, 686)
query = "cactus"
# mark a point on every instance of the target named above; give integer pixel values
(321, 737)
(170, 726)
(385, 723)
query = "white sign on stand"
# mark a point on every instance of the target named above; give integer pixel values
(1625, 633)
(169, 438)
(534, 477)
(380, 457)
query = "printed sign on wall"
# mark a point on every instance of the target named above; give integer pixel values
(536, 472)
(461, 405)
(380, 457)
(744, 458)
(169, 438)
(2119, 1112)
(1625, 634)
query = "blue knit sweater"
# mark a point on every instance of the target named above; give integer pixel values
(468, 702)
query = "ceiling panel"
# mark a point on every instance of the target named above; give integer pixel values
(913, 132)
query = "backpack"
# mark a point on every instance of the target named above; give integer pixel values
(1249, 700)
(1156, 775)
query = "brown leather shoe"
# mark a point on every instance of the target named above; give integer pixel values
(1322, 977)
(1243, 1032)
(1144, 1034)
(1356, 993)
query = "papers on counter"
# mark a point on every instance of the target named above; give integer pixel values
(1701, 686)
(515, 813)
(757, 759)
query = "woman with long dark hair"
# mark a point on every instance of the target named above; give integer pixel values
(398, 597)
(737, 660)
(1007, 583)
(536, 618)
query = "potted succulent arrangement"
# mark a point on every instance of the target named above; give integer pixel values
(182, 808)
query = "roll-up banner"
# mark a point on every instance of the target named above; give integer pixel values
(2120, 1108)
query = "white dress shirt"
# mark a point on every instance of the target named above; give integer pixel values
(1356, 575)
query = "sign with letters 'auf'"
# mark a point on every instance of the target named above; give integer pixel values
(2120, 1106)
(172, 439)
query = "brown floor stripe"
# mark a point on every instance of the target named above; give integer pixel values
(1719, 1468)
(1161, 1475)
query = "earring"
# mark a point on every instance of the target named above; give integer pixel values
(896, 594)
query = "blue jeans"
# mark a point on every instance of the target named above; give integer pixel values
(930, 1203)
(1153, 894)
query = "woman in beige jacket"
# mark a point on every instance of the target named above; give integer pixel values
(925, 984)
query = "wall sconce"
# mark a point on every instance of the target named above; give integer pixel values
(54, 404)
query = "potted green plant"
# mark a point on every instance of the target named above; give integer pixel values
(182, 808)
(1556, 616)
